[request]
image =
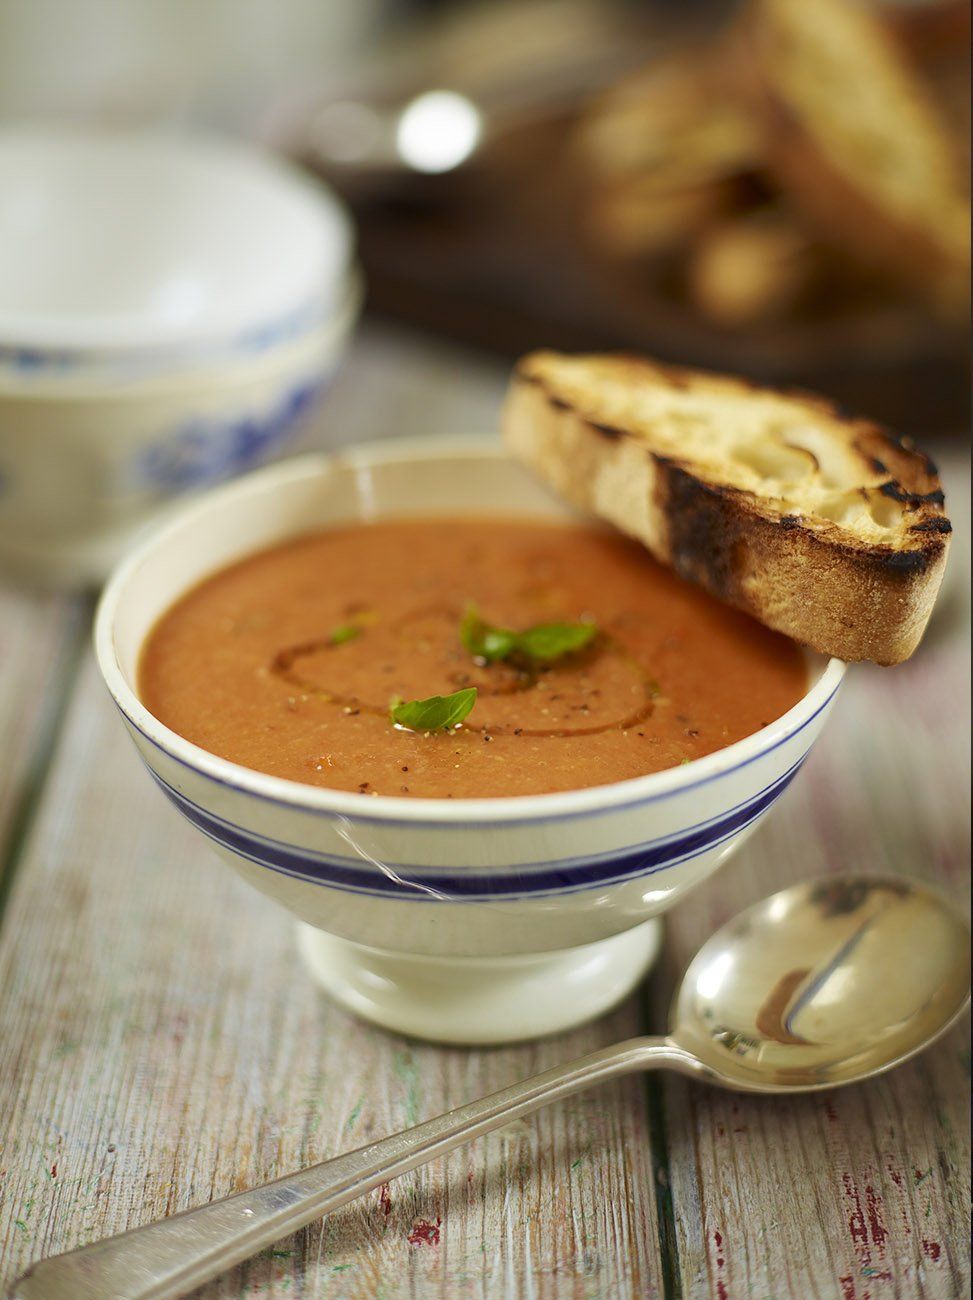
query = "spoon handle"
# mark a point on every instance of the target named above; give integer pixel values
(174, 1255)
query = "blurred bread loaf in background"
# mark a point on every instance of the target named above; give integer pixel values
(778, 188)
(796, 164)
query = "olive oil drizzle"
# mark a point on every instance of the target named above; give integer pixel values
(513, 681)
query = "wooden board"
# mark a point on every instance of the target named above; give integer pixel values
(159, 1045)
(861, 1193)
(39, 646)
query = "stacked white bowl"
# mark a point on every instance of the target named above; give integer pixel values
(170, 308)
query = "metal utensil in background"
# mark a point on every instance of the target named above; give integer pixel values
(428, 102)
(824, 984)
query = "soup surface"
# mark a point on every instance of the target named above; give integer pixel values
(288, 660)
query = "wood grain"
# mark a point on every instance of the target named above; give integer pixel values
(861, 1193)
(160, 1046)
(39, 638)
(398, 383)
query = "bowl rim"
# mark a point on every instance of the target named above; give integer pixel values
(388, 809)
(132, 335)
(182, 377)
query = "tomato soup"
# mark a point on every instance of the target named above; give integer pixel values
(591, 663)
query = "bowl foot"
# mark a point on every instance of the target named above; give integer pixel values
(480, 999)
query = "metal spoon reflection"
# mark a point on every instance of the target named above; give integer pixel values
(823, 984)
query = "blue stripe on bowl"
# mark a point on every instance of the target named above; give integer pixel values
(346, 827)
(472, 884)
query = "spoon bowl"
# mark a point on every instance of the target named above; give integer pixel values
(823, 984)
(826, 983)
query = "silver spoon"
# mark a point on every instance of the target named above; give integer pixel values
(823, 984)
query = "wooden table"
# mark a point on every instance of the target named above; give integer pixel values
(160, 1046)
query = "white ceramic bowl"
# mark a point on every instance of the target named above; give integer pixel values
(86, 463)
(137, 251)
(169, 307)
(479, 920)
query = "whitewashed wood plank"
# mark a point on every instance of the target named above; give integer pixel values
(397, 383)
(137, 1083)
(136, 1079)
(160, 1046)
(39, 637)
(863, 1193)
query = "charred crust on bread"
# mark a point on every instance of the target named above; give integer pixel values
(870, 434)
(682, 378)
(712, 529)
(898, 493)
(858, 585)
(705, 530)
(905, 563)
(941, 525)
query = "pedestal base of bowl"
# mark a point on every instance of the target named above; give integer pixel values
(480, 999)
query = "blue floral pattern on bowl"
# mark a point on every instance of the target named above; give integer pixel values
(205, 451)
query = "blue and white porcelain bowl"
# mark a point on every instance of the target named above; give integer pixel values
(86, 465)
(136, 251)
(170, 307)
(476, 920)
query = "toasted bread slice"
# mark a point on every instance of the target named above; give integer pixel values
(829, 530)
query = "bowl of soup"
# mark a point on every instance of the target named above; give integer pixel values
(477, 745)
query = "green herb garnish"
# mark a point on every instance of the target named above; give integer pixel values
(548, 641)
(542, 643)
(347, 632)
(485, 641)
(437, 713)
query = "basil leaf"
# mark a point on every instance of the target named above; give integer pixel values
(484, 641)
(347, 632)
(438, 712)
(549, 641)
(541, 643)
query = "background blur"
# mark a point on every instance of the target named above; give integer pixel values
(777, 188)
